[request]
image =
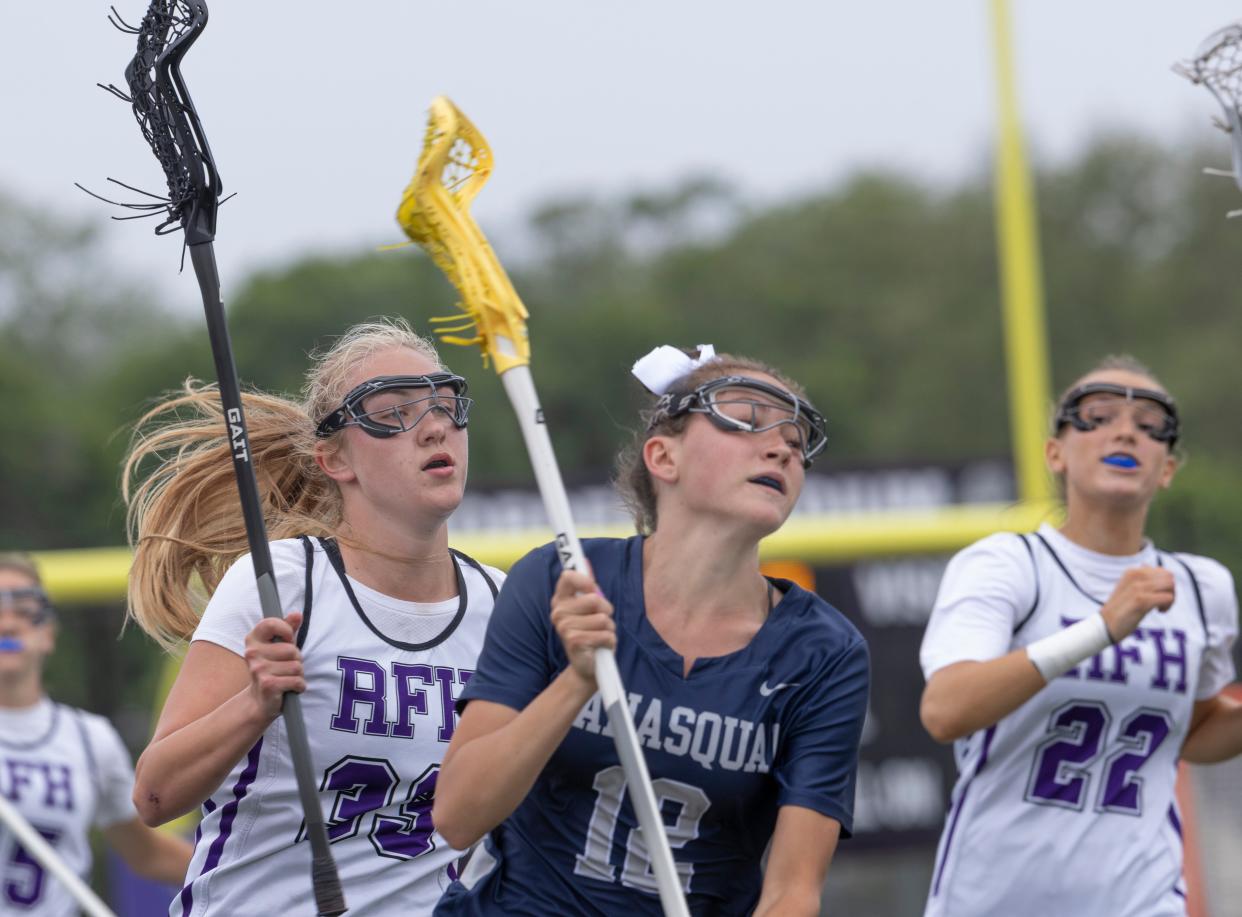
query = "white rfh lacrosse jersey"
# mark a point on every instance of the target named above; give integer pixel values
(65, 770)
(382, 678)
(1066, 806)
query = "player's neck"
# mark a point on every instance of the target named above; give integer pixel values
(1118, 534)
(406, 565)
(706, 575)
(20, 691)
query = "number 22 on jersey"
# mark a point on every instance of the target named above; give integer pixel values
(1078, 731)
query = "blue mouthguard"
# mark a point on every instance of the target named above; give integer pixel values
(1121, 461)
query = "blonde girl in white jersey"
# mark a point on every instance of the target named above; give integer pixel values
(1073, 668)
(383, 625)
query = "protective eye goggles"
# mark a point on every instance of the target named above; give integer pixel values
(388, 405)
(31, 604)
(1154, 412)
(740, 404)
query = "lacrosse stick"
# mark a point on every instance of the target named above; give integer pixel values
(1218, 66)
(435, 213)
(171, 127)
(42, 852)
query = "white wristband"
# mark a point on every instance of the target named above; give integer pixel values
(1056, 654)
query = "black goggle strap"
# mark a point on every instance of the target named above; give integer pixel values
(348, 414)
(1069, 413)
(10, 598)
(700, 400)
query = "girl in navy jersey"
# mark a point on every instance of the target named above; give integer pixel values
(748, 693)
(1073, 667)
(65, 770)
(384, 624)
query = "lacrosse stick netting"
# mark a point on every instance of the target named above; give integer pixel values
(435, 212)
(171, 127)
(1218, 66)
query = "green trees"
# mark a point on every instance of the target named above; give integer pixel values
(880, 294)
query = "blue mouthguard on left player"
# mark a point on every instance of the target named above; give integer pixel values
(388, 405)
(740, 404)
(1154, 411)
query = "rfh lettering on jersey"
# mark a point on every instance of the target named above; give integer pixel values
(708, 738)
(1166, 648)
(237, 434)
(391, 701)
(46, 784)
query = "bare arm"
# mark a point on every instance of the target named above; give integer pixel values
(967, 696)
(803, 845)
(1215, 731)
(155, 855)
(218, 707)
(496, 753)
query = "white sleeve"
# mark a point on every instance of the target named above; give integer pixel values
(1220, 608)
(234, 609)
(986, 590)
(115, 776)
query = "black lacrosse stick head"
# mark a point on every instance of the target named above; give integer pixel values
(167, 117)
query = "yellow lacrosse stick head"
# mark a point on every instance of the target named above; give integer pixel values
(435, 213)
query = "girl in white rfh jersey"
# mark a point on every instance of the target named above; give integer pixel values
(64, 770)
(384, 623)
(1074, 667)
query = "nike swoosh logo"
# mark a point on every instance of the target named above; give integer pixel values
(766, 691)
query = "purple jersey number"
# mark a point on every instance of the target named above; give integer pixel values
(1078, 730)
(408, 834)
(1140, 734)
(365, 787)
(23, 886)
(1062, 761)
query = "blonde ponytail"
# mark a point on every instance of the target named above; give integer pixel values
(184, 517)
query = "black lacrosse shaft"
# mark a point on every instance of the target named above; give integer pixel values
(329, 896)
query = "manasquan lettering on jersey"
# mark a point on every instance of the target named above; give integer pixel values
(708, 738)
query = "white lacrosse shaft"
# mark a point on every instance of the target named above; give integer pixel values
(42, 851)
(521, 390)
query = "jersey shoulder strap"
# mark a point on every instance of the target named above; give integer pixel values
(88, 750)
(1064, 569)
(1035, 575)
(307, 599)
(466, 559)
(1194, 585)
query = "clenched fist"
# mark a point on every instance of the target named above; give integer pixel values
(583, 620)
(1139, 590)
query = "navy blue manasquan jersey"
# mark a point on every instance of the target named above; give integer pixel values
(775, 723)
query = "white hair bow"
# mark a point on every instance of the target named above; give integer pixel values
(665, 365)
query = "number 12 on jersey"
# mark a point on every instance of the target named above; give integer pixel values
(595, 861)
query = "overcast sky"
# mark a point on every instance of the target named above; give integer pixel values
(315, 109)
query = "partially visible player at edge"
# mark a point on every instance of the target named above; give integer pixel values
(748, 693)
(384, 623)
(64, 769)
(1073, 667)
